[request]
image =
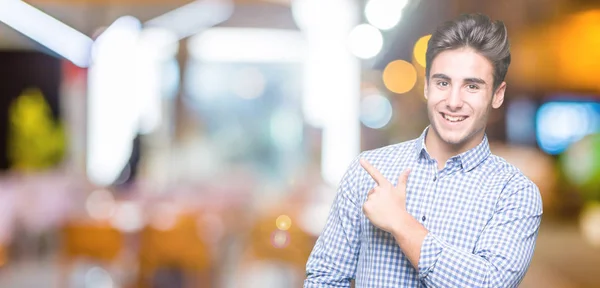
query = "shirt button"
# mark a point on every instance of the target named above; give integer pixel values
(434, 178)
(423, 218)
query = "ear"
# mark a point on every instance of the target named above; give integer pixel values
(498, 97)
(425, 88)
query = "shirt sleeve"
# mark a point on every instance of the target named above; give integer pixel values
(333, 260)
(503, 252)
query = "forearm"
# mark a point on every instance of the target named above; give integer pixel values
(409, 235)
(442, 265)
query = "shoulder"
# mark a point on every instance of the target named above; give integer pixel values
(497, 166)
(517, 188)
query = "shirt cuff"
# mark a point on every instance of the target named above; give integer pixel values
(430, 252)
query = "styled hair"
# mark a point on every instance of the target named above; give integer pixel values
(478, 32)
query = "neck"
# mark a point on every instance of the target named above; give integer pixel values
(441, 151)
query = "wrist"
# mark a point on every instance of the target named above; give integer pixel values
(403, 225)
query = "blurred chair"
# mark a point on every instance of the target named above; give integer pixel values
(179, 250)
(95, 241)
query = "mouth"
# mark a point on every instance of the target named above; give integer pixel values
(453, 119)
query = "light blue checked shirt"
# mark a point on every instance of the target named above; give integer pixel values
(482, 214)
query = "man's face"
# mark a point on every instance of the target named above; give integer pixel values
(459, 96)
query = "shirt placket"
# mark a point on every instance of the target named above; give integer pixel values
(433, 197)
(432, 179)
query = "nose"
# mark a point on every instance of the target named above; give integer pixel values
(454, 101)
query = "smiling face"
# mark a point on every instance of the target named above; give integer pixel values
(460, 95)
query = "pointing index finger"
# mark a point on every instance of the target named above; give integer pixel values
(375, 174)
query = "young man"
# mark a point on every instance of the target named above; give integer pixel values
(440, 210)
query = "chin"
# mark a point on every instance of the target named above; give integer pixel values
(454, 138)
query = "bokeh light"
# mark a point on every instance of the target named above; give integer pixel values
(399, 76)
(384, 14)
(128, 217)
(100, 204)
(365, 41)
(98, 278)
(283, 222)
(420, 49)
(559, 124)
(375, 111)
(322, 15)
(280, 239)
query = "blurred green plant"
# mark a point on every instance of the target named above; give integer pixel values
(35, 141)
(581, 166)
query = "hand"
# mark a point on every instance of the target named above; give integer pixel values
(385, 205)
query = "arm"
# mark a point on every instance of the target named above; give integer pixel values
(501, 256)
(332, 262)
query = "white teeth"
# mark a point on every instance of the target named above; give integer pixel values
(454, 119)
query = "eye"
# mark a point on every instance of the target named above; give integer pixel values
(472, 87)
(442, 84)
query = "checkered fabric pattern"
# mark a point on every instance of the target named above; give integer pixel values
(481, 212)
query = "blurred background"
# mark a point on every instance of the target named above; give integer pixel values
(154, 143)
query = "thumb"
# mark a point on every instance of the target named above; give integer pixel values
(403, 178)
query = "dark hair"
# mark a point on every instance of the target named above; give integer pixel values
(476, 31)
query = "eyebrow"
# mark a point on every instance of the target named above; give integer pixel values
(466, 80)
(440, 76)
(475, 80)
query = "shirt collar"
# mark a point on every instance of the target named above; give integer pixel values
(468, 159)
